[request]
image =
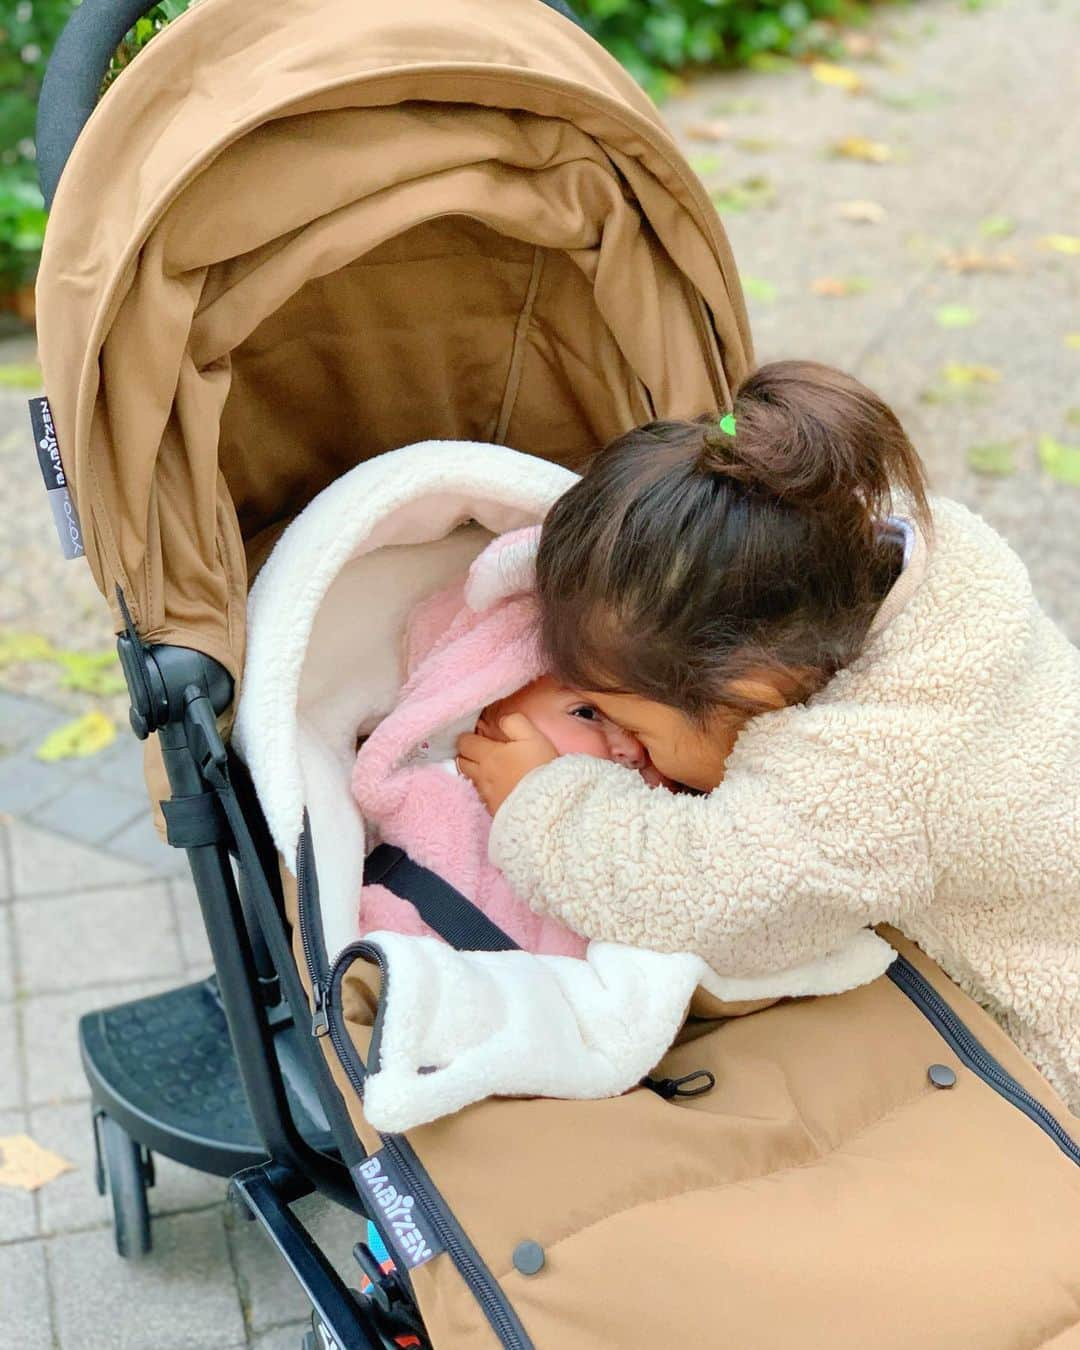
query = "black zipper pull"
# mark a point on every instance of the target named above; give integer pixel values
(679, 1087)
(320, 1022)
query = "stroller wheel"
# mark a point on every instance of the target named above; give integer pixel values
(128, 1171)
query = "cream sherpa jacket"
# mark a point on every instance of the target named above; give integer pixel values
(934, 784)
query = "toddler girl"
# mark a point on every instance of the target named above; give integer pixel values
(878, 722)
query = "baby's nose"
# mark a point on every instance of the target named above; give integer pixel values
(626, 749)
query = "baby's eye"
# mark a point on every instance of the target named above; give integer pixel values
(586, 713)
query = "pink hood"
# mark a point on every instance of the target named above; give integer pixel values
(465, 648)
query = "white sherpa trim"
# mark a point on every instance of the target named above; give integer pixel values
(517, 1024)
(325, 620)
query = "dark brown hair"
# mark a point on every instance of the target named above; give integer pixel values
(687, 558)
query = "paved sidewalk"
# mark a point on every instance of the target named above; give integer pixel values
(977, 103)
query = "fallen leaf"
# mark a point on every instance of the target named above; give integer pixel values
(758, 289)
(955, 316)
(91, 672)
(749, 195)
(770, 63)
(1072, 416)
(1072, 341)
(755, 145)
(860, 45)
(23, 375)
(85, 736)
(964, 374)
(862, 213)
(735, 107)
(17, 647)
(709, 131)
(705, 165)
(1061, 462)
(997, 227)
(995, 460)
(838, 287)
(862, 148)
(1062, 243)
(973, 261)
(839, 77)
(25, 1165)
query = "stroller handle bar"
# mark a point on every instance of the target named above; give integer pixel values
(69, 91)
(78, 64)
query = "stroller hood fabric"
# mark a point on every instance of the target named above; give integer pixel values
(297, 233)
(327, 649)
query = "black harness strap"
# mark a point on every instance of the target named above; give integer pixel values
(439, 904)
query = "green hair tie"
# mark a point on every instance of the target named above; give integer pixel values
(727, 424)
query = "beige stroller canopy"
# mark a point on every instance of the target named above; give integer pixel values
(298, 233)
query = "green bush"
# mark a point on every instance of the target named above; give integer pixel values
(28, 31)
(654, 39)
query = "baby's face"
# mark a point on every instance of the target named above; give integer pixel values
(572, 724)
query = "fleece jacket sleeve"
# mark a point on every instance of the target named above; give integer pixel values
(755, 877)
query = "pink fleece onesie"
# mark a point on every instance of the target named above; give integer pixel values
(460, 659)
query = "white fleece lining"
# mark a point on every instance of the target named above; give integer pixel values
(326, 617)
(326, 620)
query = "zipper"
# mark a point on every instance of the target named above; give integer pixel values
(313, 943)
(483, 1285)
(955, 1032)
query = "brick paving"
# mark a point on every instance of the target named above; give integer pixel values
(978, 104)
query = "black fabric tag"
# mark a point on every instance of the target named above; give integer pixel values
(56, 488)
(406, 1228)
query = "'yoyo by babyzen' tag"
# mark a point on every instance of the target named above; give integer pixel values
(52, 470)
(407, 1229)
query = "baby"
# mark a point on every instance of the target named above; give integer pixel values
(462, 662)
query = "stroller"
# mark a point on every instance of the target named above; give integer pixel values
(328, 230)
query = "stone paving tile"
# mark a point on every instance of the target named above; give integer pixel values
(42, 863)
(180, 1297)
(72, 1202)
(7, 959)
(18, 1218)
(24, 721)
(48, 1029)
(140, 843)
(288, 1337)
(5, 859)
(11, 1077)
(24, 1298)
(270, 1293)
(26, 784)
(189, 923)
(96, 937)
(90, 811)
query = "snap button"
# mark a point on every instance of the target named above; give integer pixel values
(529, 1257)
(941, 1075)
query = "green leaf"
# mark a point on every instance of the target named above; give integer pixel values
(1061, 462)
(85, 736)
(963, 374)
(758, 289)
(22, 375)
(955, 316)
(996, 460)
(95, 673)
(16, 648)
(704, 165)
(997, 227)
(750, 194)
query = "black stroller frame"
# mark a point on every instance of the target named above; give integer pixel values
(223, 1075)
